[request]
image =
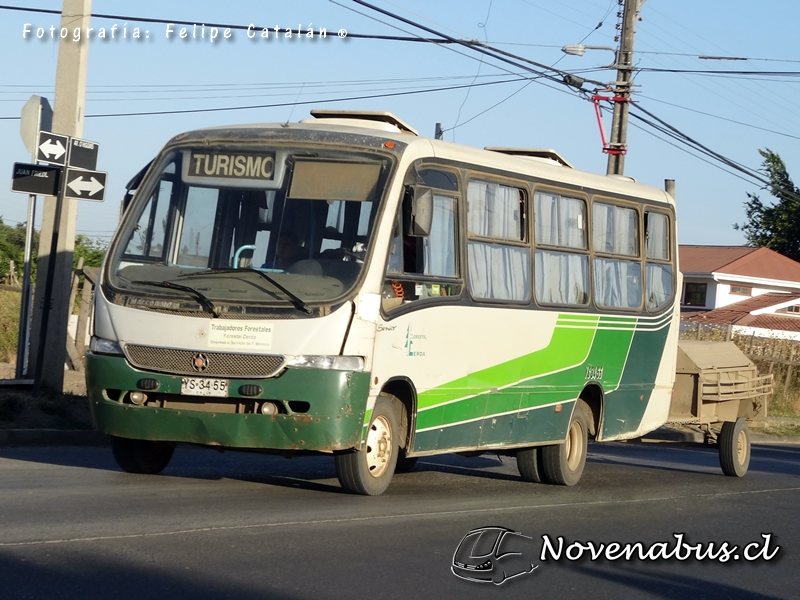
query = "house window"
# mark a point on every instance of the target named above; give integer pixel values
(741, 290)
(793, 309)
(695, 294)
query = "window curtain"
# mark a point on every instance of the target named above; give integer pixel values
(494, 211)
(657, 236)
(617, 283)
(560, 221)
(561, 278)
(498, 272)
(659, 285)
(614, 229)
(440, 244)
(546, 211)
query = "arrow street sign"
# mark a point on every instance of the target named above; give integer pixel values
(83, 154)
(52, 148)
(36, 179)
(85, 185)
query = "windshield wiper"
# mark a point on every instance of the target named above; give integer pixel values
(295, 300)
(204, 301)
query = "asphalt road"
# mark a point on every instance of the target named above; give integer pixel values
(253, 526)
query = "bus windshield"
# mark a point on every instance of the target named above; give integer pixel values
(242, 230)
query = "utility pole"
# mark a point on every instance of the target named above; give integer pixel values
(617, 146)
(49, 347)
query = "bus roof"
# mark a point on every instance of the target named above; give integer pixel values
(386, 126)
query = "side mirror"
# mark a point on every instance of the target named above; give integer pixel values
(131, 188)
(421, 212)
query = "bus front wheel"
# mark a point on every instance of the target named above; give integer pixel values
(562, 464)
(141, 456)
(369, 471)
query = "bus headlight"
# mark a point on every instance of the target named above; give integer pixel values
(335, 363)
(103, 346)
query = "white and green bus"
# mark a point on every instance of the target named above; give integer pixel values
(344, 286)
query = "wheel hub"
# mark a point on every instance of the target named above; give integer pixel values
(379, 446)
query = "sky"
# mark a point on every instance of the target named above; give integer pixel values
(733, 114)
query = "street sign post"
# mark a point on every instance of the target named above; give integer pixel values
(37, 114)
(36, 179)
(52, 148)
(85, 185)
(83, 154)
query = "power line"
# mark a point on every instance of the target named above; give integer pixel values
(281, 104)
(713, 116)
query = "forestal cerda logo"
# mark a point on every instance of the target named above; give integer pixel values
(497, 554)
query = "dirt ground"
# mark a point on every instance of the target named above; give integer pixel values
(21, 409)
(74, 381)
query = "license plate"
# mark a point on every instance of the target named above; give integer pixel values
(202, 386)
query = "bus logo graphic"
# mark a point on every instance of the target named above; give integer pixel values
(492, 555)
(200, 362)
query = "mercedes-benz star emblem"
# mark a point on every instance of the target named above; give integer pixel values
(200, 362)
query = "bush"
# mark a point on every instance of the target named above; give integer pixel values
(9, 324)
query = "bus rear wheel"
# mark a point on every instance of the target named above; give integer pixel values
(141, 456)
(562, 464)
(369, 471)
(529, 463)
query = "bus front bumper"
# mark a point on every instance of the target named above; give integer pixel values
(333, 420)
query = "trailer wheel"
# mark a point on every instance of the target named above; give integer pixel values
(734, 447)
(562, 464)
(529, 463)
(141, 456)
(369, 471)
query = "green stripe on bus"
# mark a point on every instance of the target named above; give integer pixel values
(567, 348)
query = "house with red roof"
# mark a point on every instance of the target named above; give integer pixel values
(754, 289)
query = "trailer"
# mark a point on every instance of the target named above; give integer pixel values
(718, 391)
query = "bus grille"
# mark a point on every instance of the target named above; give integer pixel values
(218, 364)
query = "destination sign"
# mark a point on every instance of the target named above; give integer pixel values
(231, 165)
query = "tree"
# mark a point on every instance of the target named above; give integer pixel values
(91, 250)
(775, 225)
(12, 247)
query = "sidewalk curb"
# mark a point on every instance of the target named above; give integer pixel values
(695, 437)
(51, 437)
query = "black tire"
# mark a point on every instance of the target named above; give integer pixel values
(141, 456)
(562, 464)
(529, 463)
(405, 464)
(734, 447)
(369, 471)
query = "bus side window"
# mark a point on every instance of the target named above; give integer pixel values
(658, 268)
(417, 261)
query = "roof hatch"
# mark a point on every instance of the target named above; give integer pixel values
(544, 154)
(343, 117)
